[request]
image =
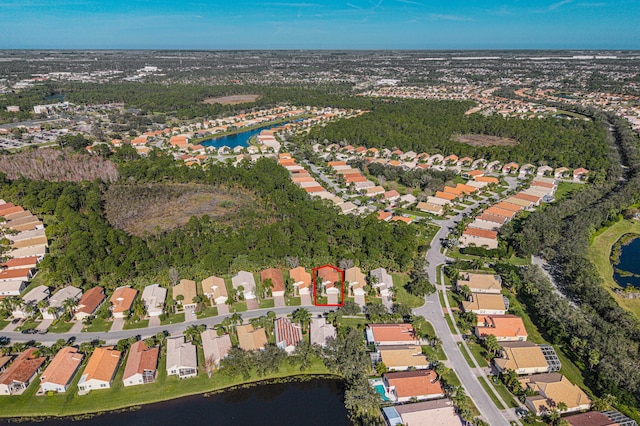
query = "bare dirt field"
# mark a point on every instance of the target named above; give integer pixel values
(152, 208)
(232, 100)
(485, 140)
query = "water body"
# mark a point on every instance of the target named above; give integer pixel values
(239, 139)
(59, 97)
(629, 262)
(313, 403)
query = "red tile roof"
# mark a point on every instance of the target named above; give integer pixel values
(141, 359)
(24, 366)
(90, 301)
(276, 278)
(287, 332)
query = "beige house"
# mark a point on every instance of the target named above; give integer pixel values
(356, 280)
(215, 289)
(480, 283)
(554, 388)
(215, 347)
(485, 304)
(58, 375)
(250, 339)
(401, 358)
(521, 357)
(182, 358)
(188, 290)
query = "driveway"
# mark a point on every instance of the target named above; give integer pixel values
(117, 325)
(359, 299)
(252, 304)
(45, 324)
(11, 326)
(332, 299)
(154, 321)
(223, 309)
(279, 302)
(305, 300)
(190, 315)
(77, 327)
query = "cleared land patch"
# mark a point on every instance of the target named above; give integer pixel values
(485, 140)
(143, 209)
(232, 100)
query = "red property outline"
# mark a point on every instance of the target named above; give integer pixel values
(315, 293)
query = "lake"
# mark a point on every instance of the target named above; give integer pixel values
(316, 402)
(237, 139)
(629, 262)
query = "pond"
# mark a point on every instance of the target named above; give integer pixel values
(316, 402)
(626, 271)
(238, 139)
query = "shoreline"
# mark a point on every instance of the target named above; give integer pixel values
(248, 129)
(73, 407)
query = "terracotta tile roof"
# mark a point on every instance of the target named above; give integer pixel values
(414, 383)
(327, 273)
(312, 189)
(475, 173)
(401, 219)
(446, 195)
(508, 206)
(487, 179)
(63, 367)
(122, 298)
(500, 212)
(141, 359)
(287, 333)
(590, 418)
(30, 261)
(492, 218)
(250, 339)
(501, 326)
(90, 301)
(300, 275)
(467, 189)
(527, 197)
(391, 194)
(24, 366)
(22, 273)
(393, 333)
(187, 289)
(276, 277)
(102, 365)
(483, 233)
(382, 215)
(542, 184)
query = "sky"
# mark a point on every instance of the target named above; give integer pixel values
(320, 24)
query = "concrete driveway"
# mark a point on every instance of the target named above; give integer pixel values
(279, 302)
(117, 325)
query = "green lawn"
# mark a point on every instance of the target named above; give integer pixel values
(441, 297)
(266, 304)
(566, 189)
(505, 394)
(521, 310)
(173, 319)
(131, 325)
(3, 324)
(98, 325)
(293, 301)
(599, 254)
(450, 323)
(487, 388)
(238, 307)
(478, 353)
(60, 327)
(434, 353)
(466, 356)
(28, 325)
(119, 396)
(401, 295)
(438, 274)
(211, 311)
(353, 321)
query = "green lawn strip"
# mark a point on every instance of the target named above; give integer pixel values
(266, 304)
(570, 370)
(401, 295)
(452, 302)
(487, 388)
(519, 261)
(466, 355)
(211, 311)
(98, 325)
(451, 378)
(505, 394)
(447, 317)
(432, 230)
(238, 307)
(3, 324)
(60, 327)
(135, 324)
(521, 310)
(353, 321)
(441, 297)
(438, 273)
(173, 319)
(566, 189)
(165, 388)
(599, 254)
(293, 301)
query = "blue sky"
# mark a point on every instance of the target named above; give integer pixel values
(320, 24)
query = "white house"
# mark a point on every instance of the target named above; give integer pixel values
(58, 375)
(32, 298)
(215, 289)
(153, 297)
(182, 358)
(57, 301)
(247, 281)
(100, 370)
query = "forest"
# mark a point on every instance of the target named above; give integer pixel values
(86, 250)
(428, 126)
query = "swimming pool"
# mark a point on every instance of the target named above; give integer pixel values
(379, 387)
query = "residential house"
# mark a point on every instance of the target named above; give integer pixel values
(19, 375)
(275, 275)
(479, 238)
(12, 288)
(301, 280)
(56, 302)
(32, 298)
(215, 289)
(391, 195)
(486, 304)
(440, 412)
(356, 281)
(391, 334)
(22, 274)
(552, 389)
(182, 358)
(320, 330)
(215, 347)
(142, 364)
(480, 283)
(251, 339)
(100, 370)
(287, 334)
(472, 174)
(5, 360)
(506, 328)
(245, 280)
(382, 281)
(580, 173)
(436, 209)
(89, 303)
(521, 357)
(184, 292)
(524, 204)
(330, 278)
(412, 385)
(63, 367)
(600, 418)
(560, 172)
(533, 199)
(153, 297)
(544, 170)
(401, 357)
(21, 263)
(121, 301)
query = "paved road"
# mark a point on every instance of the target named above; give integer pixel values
(322, 176)
(174, 329)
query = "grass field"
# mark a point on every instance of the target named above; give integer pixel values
(98, 325)
(401, 295)
(478, 353)
(211, 311)
(118, 396)
(132, 325)
(566, 189)
(450, 323)
(466, 356)
(505, 394)
(3, 324)
(487, 388)
(60, 327)
(434, 353)
(173, 319)
(599, 253)
(266, 304)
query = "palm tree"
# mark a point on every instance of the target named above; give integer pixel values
(491, 344)
(302, 316)
(69, 306)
